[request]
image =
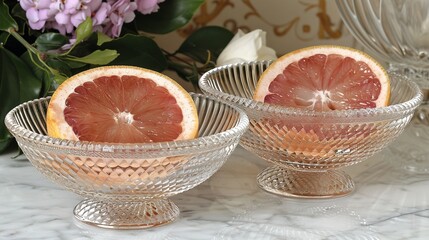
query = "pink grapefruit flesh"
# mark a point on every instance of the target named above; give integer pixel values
(324, 78)
(121, 104)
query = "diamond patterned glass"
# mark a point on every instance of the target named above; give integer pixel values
(307, 147)
(128, 185)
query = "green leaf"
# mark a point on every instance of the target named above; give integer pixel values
(18, 12)
(3, 38)
(6, 20)
(84, 48)
(59, 78)
(9, 90)
(187, 74)
(73, 64)
(44, 76)
(59, 65)
(17, 84)
(20, 17)
(102, 38)
(137, 51)
(29, 83)
(98, 57)
(212, 38)
(84, 30)
(172, 14)
(51, 41)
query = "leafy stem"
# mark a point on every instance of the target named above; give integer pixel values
(32, 51)
(178, 61)
(20, 39)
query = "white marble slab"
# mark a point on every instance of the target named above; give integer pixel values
(389, 203)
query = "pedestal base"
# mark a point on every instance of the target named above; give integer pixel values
(126, 215)
(300, 184)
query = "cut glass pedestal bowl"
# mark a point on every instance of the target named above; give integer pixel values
(307, 147)
(128, 185)
(398, 32)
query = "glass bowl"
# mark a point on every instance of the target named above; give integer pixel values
(398, 32)
(307, 147)
(128, 185)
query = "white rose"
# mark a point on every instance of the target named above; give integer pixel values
(246, 47)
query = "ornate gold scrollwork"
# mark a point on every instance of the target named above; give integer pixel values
(326, 29)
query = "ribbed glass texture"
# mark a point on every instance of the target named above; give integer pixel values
(396, 30)
(299, 141)
(128, 185)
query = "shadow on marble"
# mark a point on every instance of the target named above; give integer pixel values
(388, 203)
(301, 219)
(96, 233)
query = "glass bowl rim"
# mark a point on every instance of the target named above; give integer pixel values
(296, 112)
(377, 43)
(190, 144)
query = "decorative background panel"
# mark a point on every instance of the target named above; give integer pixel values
(290, 24)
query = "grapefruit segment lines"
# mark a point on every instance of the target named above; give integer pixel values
(324, 78)
(121, 104)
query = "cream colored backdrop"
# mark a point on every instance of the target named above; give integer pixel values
(290, 24)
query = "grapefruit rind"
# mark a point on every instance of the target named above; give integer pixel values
(57, 126)
(281, 63)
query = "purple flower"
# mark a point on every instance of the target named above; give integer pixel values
(148, 6)
(40, 4)
(65, 16)
(122, 11)
(70, 13)
(100, 16)
(37, 12)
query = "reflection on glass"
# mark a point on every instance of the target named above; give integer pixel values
(129, 185)
(397, 31)
(308, 147)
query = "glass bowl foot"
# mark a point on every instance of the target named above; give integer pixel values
(126, 215)
(300, 184)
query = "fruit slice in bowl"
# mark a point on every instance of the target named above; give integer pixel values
(324, 78)
(122, 104)
(312, 125)
(126, 104)
(127, 185)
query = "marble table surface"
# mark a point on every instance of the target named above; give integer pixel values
(388, 203)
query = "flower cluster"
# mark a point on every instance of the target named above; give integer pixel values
(65, 15)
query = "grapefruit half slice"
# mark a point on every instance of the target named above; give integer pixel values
(121, 104)
(324, 78)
